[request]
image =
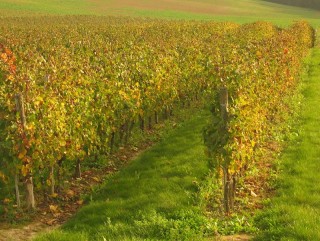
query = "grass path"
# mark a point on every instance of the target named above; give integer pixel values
(154, 197)
(295, 213)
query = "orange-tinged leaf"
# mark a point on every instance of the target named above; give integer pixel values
(4, 57)
(70, 193)
(51, 222)
(10, 77)
(6, 201)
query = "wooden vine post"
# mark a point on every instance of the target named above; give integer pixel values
(52, 187)
(228, 180)
(141, 120)
(78, 173)
(156, 117)
(28, 180)
(16, 185)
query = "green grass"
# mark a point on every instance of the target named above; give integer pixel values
(282, 20)
(220, 10)
(45, 6)
(153, 197)
(294, 214)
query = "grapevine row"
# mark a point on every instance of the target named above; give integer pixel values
(84, 80)
(258, 95)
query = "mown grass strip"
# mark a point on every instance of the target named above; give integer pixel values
(295, 213)
(155, 197)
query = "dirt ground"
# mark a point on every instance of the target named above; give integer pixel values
(24, 233)
(31, 230)
(238, 237)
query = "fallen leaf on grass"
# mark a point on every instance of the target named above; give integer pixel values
(54, 195)
(51, 222)
(70, 193)
(253, 194)
(6, 201)
(97, 179)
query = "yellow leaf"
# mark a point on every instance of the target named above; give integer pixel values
(54, 195)
(4, 57)
(2, 176)
(123, 94)
(10, 77)
(70, 193)
(53, 208)
(62, 143)
(259, 54)
(30, 126)
(39, 98)
(96, 179)
(253, 143)
(25, 170)
(22, 154)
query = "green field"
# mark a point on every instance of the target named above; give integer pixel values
(230, 10)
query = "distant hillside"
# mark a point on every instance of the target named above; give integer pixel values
(312, 4)
(221, 10)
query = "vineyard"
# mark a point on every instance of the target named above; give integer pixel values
(73, 89)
